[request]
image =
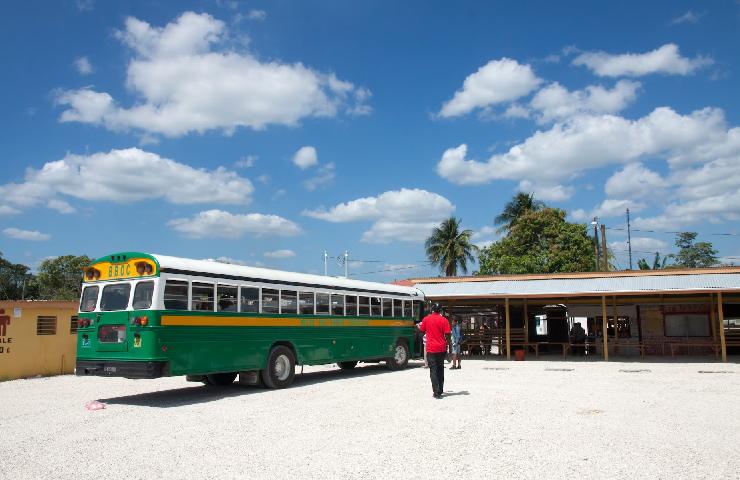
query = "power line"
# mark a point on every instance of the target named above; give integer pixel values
(725, 234)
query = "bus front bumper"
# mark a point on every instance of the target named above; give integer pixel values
(108, 368)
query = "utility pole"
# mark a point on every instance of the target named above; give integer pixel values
(326, 257)
(605, 252)
(596, 243)
(346, 263)
(629, 238)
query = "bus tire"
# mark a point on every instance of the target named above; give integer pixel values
(400, 356)
(347, 365)
(280, 369)
(220, 379)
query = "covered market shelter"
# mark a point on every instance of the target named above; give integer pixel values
(672, 312)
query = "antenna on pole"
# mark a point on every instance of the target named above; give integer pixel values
(629, 238)
(326, 257)
(597, 254)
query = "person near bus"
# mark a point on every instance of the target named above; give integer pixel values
(456, 337)
(435, 326)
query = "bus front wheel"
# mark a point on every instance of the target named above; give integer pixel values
(400, 356)
(280, 369)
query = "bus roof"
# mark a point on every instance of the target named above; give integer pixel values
(193, 267)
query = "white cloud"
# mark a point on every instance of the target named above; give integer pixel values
(247, 161)
(549, 192)
(5, 210)
(325, 175)
(587, 142)
(666, 60)
(399, 215)
(306, 157)
(257, 15)
(555, 102)
(85, 5)
(496, 82)
(186, 80)
(688, 17)
(228, 260)
(221, 224)
(517, 111)
(83, 66)
(124, 176)
(636, 181)
(641, 244)
(29, 235)
(280, 254)
(608, 208)
(60, 206)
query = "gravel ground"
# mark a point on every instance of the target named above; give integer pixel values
(533, 419)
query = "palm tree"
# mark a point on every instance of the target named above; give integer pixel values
(517, 206)
(657, 264)
(450, 248)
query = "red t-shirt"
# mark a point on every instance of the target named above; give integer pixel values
(435, 326)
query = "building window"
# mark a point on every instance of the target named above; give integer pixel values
(46, 325)
(687, 325)
(73, 325)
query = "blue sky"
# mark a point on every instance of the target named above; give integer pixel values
(267, 132)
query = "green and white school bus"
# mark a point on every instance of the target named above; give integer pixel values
(149, 316)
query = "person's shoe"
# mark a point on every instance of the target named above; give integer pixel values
(437, 396)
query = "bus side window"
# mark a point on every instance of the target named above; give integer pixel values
(270, 301)
(202, 297)
(227, 298)
(350, 302)
(407, 309)
(288, 301)
(337, 305)
(364, 305)
(305, 303)
(397, 307)
(375, 306)
(322, 303)
(250, 299)
(143, 295)
(176, 295)
(387, 307)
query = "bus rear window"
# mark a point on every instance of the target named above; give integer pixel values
(176, 295)
(143, 295)
(89, 299)
(115, 297)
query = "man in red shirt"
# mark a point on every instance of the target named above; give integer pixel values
(436, 326)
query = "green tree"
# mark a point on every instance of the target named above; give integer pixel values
(657, 263)
(15, 280)
(694, 255)
(520, 204)
(540, 241)
(60, 278)
(449, 248)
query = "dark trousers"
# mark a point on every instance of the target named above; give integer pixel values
(436, 363)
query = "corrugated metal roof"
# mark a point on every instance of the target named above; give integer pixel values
(585, 286)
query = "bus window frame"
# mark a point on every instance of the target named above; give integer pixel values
(295, 299)
(313, 301)
(331, 304)
(111, 284)
(262, 303)
(383, 301)
(259, 298)
(97, 297)
(328, 303)
(217, 299)
(213, 295)
(151, 300)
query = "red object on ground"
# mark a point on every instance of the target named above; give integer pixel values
(519, 355)
(435, 326)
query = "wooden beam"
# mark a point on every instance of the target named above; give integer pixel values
(508, 331)
(604, 328)
(526, 322)
(615, 314)
(721, 315)
(713, 317)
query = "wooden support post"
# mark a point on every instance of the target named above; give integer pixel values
(604, 328)
(526, 323)
(508, 331)
(712, 317)
(615, 314)
(721, 315)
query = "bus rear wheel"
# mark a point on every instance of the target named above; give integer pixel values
(220, 379)
(280, 369)
(346, 365)
(400, 357)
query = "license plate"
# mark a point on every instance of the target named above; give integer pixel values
(110, 369)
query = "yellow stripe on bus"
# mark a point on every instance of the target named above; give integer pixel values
(213, 321)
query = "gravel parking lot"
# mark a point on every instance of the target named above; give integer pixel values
(533, 419)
